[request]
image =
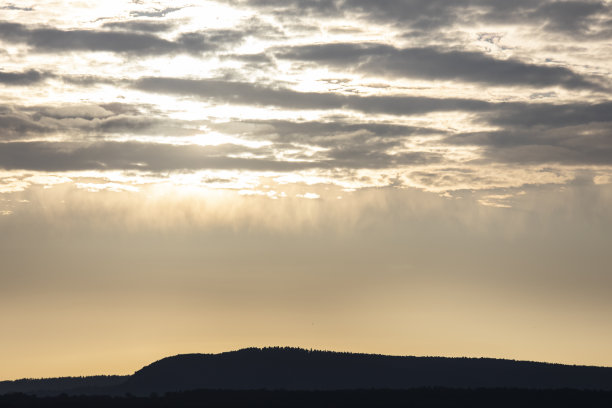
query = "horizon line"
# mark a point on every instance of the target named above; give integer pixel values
(261, 348)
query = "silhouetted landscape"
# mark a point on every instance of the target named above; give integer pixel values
(418, 397)
(423, 177)
(297, 377)
(54, 386)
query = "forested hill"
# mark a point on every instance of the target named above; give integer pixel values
(299, 369)
(52, 386)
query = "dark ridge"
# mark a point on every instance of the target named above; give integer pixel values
(51, 386)
(299, 369)
(285, 368)
(414, 398)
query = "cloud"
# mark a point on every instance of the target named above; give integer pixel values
(511, 115)
(155, 13)
(140, 25)
(500, 114)
(529, 132)
(320, 133)
(427, 15)
(58, 156)
(46, 39)
(589, 144)
(29, 77)
(147, 125)
(88, 80)
(344, 145)
(51, 39)
(436, 64)
(245, 93)
(585, 18)
(161, 157)
(84, 111)
(355, 122)
(572, 16)
(17, 8)
(295, 7)
(536, 133)
(374, 155)
(16, 126)
(240, 92)
(19, 122)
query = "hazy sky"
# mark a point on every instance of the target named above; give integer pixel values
(414, 177)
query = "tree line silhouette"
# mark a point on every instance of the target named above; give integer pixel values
(295, 369)
(414, 398)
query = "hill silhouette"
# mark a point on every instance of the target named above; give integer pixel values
(283, 368)
(51, 386)
(299, 369)
(413, 398)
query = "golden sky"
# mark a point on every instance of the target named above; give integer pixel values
(403, 177)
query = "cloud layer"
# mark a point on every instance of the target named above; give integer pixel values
(344, 91)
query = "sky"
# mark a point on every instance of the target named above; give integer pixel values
(408, 177)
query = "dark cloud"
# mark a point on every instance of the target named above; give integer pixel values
(435, 14)
(244, 93)
(295, 7)
(140, 25)
(566, 133)
(569, 134)
(139, 43)
(414, 105)
(374, 155)
(51, 39)
(540, 154)
(155, 13)
(48, 156)
(88, 80)
(158, 157)
(22, 78)
(240, 93)
(55, 156)
(255, 63)
(416, 14)
(567, 17)
(571, 16)
(119, 108)
(510, 115)
(14, 7)
(318, 133)
(252, 58)
(435, 64)
(208, 40)
(146, 125)
(15, 126)
(89, 120)
(347, 145)
(588, 144)
(529, 133)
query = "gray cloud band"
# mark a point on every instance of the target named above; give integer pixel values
(435, 64)
(84, 121)
(47, 39)
(346, 145)
(157, 157)
(246, 93)
(584, 18)
(504, 113)
(29, 77)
